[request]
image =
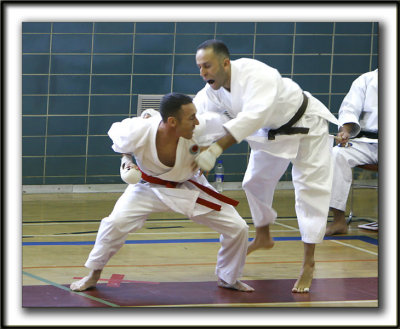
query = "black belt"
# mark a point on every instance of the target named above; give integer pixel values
(368, 134)
(287, 128)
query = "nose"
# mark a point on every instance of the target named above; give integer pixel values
(202, 72)
(196, 121)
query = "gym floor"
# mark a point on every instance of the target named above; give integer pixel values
(171, 261)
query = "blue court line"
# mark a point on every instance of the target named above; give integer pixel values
(366, 239)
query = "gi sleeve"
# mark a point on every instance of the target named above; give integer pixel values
(259, 93)
(203, 104)
(352, 105)
(129, 134)
(209, 129)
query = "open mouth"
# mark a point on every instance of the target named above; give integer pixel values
(210, 81)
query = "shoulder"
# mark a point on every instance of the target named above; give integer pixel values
(132, 126)
(253, 67)
(247, 64)
(367, 78)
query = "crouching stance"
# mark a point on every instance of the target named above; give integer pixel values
(164, 148)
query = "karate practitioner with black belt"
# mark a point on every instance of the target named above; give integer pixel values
(282, 124)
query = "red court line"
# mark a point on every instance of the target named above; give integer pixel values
(117, 282)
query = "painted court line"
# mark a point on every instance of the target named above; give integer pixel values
(354, 247)
(149, 221)
(146, 233)
(200, 264)
(69, 290)
(286, 304)
(294, 238)
(292, 228)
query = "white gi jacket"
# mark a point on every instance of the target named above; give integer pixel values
(254, 106)
(360, 106)
(137, 136)
(260, 100)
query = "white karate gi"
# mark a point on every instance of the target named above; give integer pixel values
(360, 107)
(137, 136)
(259, 100)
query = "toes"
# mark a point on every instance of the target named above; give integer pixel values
(243, 286)
(238, 285)
(300, 290)
(74, 287)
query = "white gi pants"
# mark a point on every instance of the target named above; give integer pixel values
(312, 180)
(344, 159)
(138, 201)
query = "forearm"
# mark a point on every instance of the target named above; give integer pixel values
(227, 141)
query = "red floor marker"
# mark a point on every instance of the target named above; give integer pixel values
(115, 280)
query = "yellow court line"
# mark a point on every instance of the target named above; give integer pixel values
(205, 264)
(288, 304)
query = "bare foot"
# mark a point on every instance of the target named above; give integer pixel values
(260, 243)
(238, 285)
(336, 228)
(83, 284)
(263, 240)
(303, 283)
(86, 282)
(339, 224)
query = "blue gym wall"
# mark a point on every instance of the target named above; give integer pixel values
(79, 78)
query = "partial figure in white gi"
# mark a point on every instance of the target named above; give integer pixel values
(358, 118)
(164, 147)
(255, 101)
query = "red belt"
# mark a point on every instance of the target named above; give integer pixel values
(209, 204)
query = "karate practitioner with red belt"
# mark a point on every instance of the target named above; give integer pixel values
(165, 147)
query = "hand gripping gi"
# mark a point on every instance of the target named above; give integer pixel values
(206, 159)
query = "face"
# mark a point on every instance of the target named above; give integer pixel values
(187, 121)
(213, 69)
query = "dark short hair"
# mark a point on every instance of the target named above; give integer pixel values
(218, 47)
(171, 104)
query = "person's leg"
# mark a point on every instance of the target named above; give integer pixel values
(344, 159)
(261, 177)
(312, 180)
(339, 222)
(232, 254)
(303, 283)
(129, 215)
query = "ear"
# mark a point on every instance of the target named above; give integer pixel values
(172, 121)
(227, 62)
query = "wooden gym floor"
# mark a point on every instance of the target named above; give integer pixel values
(170, 262)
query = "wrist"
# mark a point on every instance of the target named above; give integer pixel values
(216, 149)
(125, 159)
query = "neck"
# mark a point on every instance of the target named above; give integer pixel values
(166, 135)
(227, 84)
(166, 144)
